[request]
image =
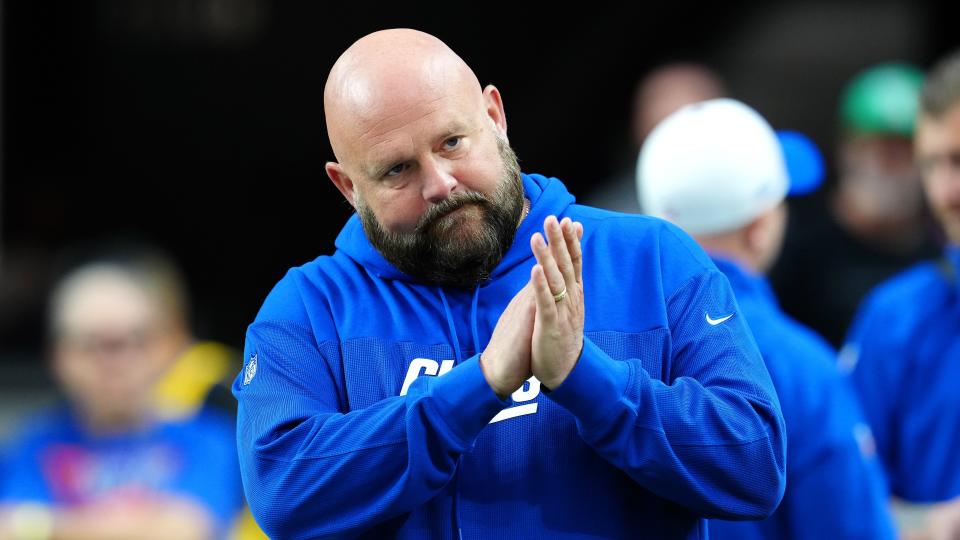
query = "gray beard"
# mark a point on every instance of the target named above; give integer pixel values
(434, 253)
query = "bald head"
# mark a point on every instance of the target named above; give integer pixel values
(384, 76)
(423, 156)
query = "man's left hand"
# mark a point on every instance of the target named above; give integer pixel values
(558, 286)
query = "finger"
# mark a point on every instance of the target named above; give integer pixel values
(572, 234)
(545, 258)
(546, 305)
(558, 245)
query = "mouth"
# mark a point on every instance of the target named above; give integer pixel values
(460, 210)
(455, 218)
(448, 215)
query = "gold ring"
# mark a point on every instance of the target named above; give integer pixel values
(560, 295)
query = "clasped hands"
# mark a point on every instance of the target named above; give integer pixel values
(540, 332)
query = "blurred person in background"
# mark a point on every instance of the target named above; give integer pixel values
(904, 346)
(718, 170)
(877, 222)
(103, 464)
(662, 91)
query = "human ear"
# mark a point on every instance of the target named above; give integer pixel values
(493, 104)
(755, 235)
(343, 182)
(764, 236)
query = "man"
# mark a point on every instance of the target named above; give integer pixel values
(717, 170)
(387, 390)
(905, 341)
(877, 225)
(659, 93)
(102, 464)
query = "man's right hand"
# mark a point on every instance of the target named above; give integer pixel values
(506, 360)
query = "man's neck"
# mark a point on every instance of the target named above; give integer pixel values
(113, 423)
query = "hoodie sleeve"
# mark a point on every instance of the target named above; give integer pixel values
(712, 438)
(313, 468)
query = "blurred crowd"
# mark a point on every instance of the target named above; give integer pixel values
(853, 298)
(870, 267)
(141, 443)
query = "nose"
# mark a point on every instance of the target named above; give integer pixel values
(438, 183)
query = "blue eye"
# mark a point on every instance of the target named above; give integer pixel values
(395, 170)
(452, 143)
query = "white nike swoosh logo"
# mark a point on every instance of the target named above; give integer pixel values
(714, 322)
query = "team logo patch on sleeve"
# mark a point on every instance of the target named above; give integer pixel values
(251, 370)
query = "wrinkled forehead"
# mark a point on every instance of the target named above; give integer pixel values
(379, 99)
(386, 107)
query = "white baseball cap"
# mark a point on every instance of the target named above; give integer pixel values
(711, 167)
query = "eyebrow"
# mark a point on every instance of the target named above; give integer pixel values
(380, 167)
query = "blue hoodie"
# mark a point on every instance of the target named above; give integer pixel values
(363, 411)
(835, 483)
(904, 351)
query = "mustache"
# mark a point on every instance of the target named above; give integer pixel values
(448, 205)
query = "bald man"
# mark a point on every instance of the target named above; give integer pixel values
(440, 376)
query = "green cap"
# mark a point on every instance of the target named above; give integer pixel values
(882, 99)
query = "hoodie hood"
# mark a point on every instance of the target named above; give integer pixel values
(547, 196)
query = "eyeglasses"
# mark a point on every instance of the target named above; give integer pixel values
(91, 344)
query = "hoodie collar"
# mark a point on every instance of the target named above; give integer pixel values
(547, 196)
(744, 282)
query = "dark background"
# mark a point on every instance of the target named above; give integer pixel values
(197, 125)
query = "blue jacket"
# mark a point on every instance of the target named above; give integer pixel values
(904, 350)
(363, 410)
(835, 483)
